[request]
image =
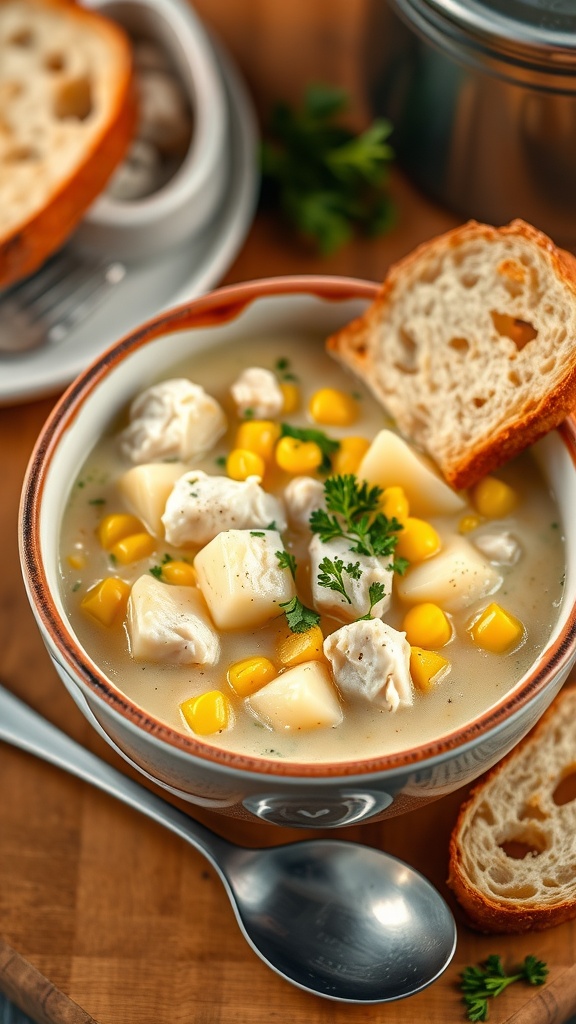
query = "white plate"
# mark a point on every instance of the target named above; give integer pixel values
(148, 288)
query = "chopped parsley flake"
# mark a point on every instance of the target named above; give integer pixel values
(299, 618)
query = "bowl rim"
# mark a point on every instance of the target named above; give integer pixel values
(217, 307)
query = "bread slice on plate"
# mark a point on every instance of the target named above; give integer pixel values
(470, 345)
(67, 114)
(513, 849)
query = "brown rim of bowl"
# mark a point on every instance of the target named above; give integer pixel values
(220, 306)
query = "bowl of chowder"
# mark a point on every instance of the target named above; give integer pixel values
(262, 596)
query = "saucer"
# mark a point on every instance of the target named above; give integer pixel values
(183, 273)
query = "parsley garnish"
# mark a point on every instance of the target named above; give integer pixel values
(257, 533)
(97, 501)
(220, 461)
(282, 364)
(480, 983)
(356, 516)
(330, 575)
(299, 618)
(156, 570)
(327, 445)
(326, 179)
(376, 591)
(286, 561)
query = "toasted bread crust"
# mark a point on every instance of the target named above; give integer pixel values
(484, 912)
(361, 346)
(26, 247)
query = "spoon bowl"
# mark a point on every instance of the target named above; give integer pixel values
(335, 918)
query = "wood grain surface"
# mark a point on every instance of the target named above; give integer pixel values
(103, 915)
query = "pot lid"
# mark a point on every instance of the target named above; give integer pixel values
(546, 27)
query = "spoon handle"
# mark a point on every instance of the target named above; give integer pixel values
(24, 728)
(553, 1004)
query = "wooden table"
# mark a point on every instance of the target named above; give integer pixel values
(103, 915)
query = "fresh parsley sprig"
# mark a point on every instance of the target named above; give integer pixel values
(376, 591)
(286, 561)
(299, 618)
(479, 984)
(330, 575)
(326, 179)
(353, 512)
(327, 445)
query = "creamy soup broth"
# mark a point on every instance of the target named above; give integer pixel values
(531, 589)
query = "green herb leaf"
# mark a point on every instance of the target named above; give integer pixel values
(325, 179)
(479, 984)
(356, 517)
(286, 561)
(299, 618)
(330, 575)
(327, 445)
(376, 591)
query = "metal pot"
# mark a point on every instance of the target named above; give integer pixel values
(482, 96)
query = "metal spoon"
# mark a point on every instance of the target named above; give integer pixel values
(334, 918)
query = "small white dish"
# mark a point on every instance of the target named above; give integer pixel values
(185, 203)
(182, 273)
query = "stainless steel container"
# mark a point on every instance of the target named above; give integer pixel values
(482, 96)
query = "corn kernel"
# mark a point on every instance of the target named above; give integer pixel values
(210, 712)
(426, 667)
(249, 675)
(106, 602)
(115, 527)
(496, 630)
(291, 394)
(417, 540)
(469, 522)
(258, 436)
(242, 463)
(394, 503)
(493, 498)
(77, 561)
(133, 548)
(333, 408)
(181, 574)
(349, 455)
(299, 647)
(296, 456)
(426, 625)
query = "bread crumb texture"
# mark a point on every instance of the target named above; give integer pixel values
(63, 72)
(513, 850)
(470, 345)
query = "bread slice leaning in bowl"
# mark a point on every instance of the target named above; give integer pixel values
(525, 805)
(471, 345)
(67, 115)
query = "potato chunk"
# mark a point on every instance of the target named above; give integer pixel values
(170, 624)
(390, 462)
(303, 697)
(145, 490)
(241, 579)
(453, 579)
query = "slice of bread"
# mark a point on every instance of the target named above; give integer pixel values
(513, 848)
(471, 345)
(67, 114)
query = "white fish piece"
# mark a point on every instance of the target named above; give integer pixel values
(503, 548)
(169, 623)
(454, 578)
(200, 506)
(257, 392)
(176, 419)
(371, 660)
(240, 577)
(303, 697)
(302, 495)
(373, 570)
(391, 461)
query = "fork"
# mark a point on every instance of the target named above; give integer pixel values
(46, 306)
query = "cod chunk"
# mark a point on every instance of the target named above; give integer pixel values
(170, 624)
(371, 660)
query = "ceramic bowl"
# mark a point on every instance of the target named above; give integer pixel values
(295, 794)
(138, 228)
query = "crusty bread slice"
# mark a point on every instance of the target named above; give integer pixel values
(526, 805)
(470, 345)
(67, 114)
